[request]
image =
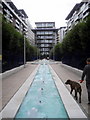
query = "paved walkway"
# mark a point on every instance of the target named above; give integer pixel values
(65, 74)
(11, 84)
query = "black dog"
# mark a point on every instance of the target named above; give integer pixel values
(75, 86)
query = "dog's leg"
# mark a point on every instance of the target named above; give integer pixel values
(76, 94)
(71, 91)
(80, 97)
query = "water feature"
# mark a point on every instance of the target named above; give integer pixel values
(42, 99)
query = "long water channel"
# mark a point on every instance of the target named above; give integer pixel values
(42, 99)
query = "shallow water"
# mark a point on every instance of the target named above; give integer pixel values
(42, 99)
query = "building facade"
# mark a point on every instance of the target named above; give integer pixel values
(30, 34)
(1, 7)
(79, 12)
(61, 34)
(45, 37)
(18, 18)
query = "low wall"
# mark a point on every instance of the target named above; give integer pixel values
(75, 70)
(12, 71)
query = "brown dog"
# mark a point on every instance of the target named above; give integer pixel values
(75, 86)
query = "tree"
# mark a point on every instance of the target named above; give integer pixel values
(58, 51)
(76, 44)
(85, 34)
(13, 47)
(51, 54)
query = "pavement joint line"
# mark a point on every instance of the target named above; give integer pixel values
(10, 110)
(72, 106)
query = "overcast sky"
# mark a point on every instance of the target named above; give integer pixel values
(46, 10)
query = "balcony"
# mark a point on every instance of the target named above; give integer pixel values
(17, 22)
(87, 8)
(17, 26)
(11, 20)
(85, 15)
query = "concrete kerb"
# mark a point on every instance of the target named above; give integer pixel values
(71, 106)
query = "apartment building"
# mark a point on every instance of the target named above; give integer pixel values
(61, 34)
(1, 37)
(79, 12)
(30, 34)
(19, 19)
(45, 37)
(1, 7)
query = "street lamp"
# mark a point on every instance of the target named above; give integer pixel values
(37, 53)
(53, 57)
(24, 51)
(53, 51)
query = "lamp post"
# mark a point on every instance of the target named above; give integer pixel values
(24, 51)
(38, 54)
(37, 50)
(53, 52)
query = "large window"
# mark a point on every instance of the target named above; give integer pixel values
(42, 45)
